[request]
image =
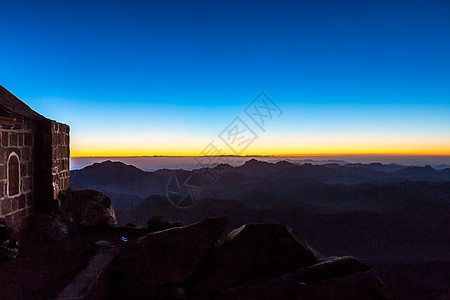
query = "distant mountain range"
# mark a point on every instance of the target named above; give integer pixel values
(262, 184)
(154, 163)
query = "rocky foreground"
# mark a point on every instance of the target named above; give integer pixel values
(256, 261)
(173, 261)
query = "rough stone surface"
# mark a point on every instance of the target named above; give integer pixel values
(256, 252)
(13, 206)
(89, 282)
(51, 171)
(257, 261)
(171, 256)
(86, 207)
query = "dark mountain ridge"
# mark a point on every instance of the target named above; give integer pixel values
(282, 182)
(118, 178)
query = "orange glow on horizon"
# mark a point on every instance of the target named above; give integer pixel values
(319, 154)
(281, 146)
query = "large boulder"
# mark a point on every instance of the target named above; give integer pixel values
(170, 256)
(255, 252)
(86, 207)
(257, 261)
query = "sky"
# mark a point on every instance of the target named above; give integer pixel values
(138, 78)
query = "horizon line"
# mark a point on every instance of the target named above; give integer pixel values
(268, 155)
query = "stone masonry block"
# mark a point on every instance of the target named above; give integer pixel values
(13, 139)
(5, 139)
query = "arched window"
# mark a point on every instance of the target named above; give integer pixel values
(13, 175)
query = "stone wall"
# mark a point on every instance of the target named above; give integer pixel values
(42, 150)
(16, 139)
(60, 157)
(51, 162)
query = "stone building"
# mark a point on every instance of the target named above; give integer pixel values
(34, 159)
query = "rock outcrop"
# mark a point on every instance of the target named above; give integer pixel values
(170, 256)
(257, 261)
(256, 252)
(85, 207)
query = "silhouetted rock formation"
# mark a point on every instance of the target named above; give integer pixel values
(76, 208)
(257, 261)
(170, 256)
(254, 252)
(86, 208)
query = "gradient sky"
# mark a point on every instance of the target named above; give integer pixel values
(166, 77)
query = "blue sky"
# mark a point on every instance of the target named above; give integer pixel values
(350, 76)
